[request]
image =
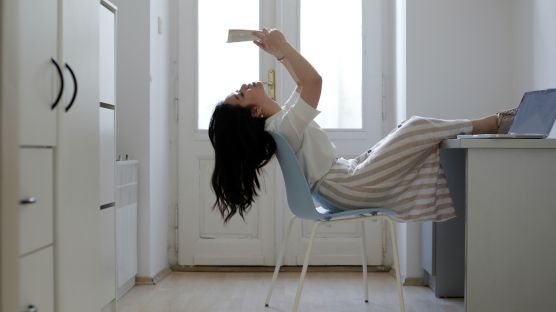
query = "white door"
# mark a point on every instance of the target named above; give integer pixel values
(351, 105)
(210, 69)
(342, 39)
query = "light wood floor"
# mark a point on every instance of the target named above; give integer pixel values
(246, 292)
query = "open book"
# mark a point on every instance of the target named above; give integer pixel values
(238, 35)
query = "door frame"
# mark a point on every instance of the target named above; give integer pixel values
(189, 137)
(347, 140)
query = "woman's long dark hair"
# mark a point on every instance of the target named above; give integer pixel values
(242, 147)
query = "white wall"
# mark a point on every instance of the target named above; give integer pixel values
(534, 45)
(459, 58)
(160, 100)
(143, 115)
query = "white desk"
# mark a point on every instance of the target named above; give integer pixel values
(510, 230)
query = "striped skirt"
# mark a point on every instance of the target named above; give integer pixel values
(402, 172)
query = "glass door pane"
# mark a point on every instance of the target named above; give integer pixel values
(223, 67)
(332, 41)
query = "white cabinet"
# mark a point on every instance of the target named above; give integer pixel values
(126, 223)
(107, 111)
(57, 92)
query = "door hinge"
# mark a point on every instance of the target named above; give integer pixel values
(177, 108)
(384, 99)
(176, 93)
(176, 231)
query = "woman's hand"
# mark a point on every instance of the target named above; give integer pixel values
(308, 80)
(271, 41)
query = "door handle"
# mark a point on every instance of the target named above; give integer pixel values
(271, 84)
(74, 89)
(61, 84)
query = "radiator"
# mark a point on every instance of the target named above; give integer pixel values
(126, 224)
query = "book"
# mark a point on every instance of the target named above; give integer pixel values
(238, 35)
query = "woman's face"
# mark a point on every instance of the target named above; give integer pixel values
(249, 95)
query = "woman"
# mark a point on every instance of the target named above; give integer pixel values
(402, 171)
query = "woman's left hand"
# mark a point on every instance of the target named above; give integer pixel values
(271, 41)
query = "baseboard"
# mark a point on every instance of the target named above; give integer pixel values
(311, 268)
(414, 281)
(125, 288)
(147, 280)
(409, 281)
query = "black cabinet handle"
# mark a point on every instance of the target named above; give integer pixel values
(53, 106)
(28, 201)
(31, 308)
(74, 90)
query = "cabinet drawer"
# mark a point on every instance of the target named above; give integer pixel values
(37, 178)
(37, 280)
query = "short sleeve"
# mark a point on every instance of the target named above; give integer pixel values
(292, 121)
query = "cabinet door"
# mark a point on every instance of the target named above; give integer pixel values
(108, 255)
(107, 156)
(39, 81)
(37, 280)
(107, 54)
(77, 231)
(36, 219)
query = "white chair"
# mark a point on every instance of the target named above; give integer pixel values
(300, 201)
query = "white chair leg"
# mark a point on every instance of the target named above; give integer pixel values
(364, 258)
(305, 264)
(396, 263)
(279, 262)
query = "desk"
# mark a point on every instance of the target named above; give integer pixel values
(510, 223)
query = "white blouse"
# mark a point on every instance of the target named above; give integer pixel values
(314, 150)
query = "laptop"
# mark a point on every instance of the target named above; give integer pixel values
(534, 118)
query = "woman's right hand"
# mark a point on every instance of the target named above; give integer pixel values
(271, 41)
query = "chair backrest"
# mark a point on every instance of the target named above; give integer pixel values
(298, 193)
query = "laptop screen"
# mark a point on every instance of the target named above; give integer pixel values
(536, 113)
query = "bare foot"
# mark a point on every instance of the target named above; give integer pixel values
(487, 124)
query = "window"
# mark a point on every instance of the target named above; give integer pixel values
(332, 41)
(222, 67)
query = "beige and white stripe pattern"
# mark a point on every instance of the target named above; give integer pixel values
(401, 172)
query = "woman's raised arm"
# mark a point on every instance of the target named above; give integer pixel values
(308, 80)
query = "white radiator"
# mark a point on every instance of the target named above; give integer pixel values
(126, 224)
